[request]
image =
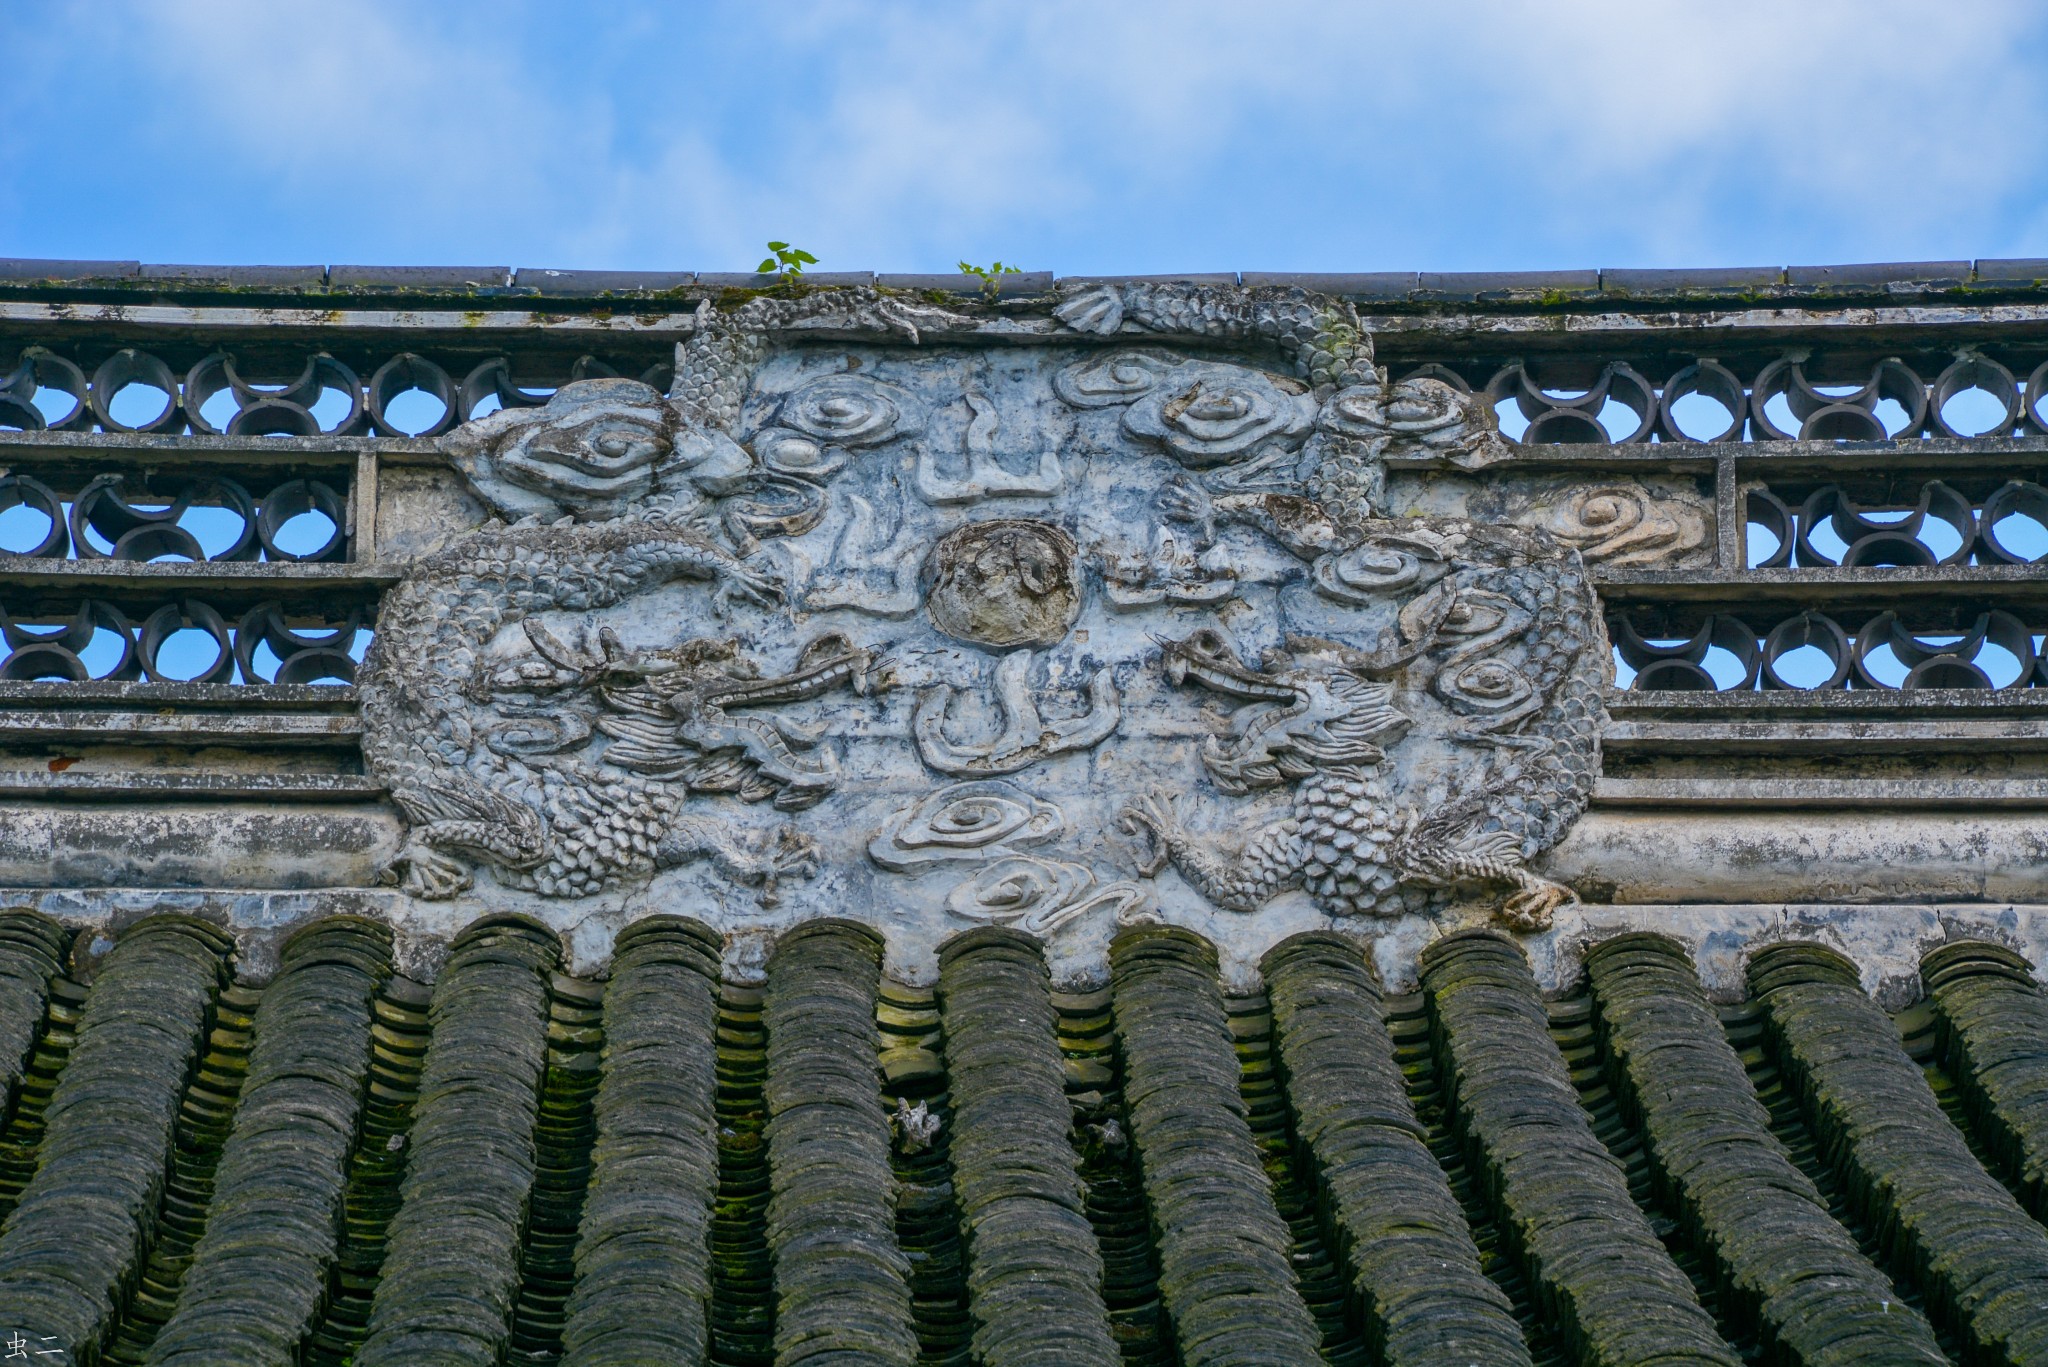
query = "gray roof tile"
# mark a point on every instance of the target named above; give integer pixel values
(28, 270)
(536, 1150)
(1483, 286)
(1878, 276)
(1019, 285)
(1692, 280)
(239, 277)
(1369, 286)
(601, 282)
(418, 279)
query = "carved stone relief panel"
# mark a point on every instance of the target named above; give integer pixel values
(1051, 622)
(1658, 521)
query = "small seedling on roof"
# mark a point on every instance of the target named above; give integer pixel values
(786, 261)
(990, 275)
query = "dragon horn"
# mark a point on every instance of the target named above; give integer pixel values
(1423, 616)
(554, 650)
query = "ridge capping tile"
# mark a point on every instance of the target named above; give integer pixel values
(2017, 270)
(28, 270)
(1906, 276)
(1689, 280)
(1180, 278)
(1484, 286)
(1375, 285)
(1023, 284)
(419, 278)
(600, 282)
(757, 280)
(276, 277)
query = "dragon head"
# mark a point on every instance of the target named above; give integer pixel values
(1312, 705)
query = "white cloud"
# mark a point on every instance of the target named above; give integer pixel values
(900, 135)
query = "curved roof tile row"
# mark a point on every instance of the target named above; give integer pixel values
(516, 1165)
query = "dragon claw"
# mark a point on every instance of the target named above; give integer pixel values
(1186, 502)
(739, 584)
(1153, 814)
(424, 872)
(795, 855)
(1535, 902)
(771, 857)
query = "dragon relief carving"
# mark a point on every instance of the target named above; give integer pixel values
(517, 731)
(617, 490)
(1504, 639)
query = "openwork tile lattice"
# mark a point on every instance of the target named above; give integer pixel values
(1565, 401)
(1938, 525)
(185, 640)
(1812, 651)
(215, 395)
(1575, 402)
(108, 517)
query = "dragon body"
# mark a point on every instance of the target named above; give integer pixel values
(1505, 642)
(501, 764)
(491, 761)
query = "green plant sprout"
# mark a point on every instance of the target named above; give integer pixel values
(786, 261)
(989, 275)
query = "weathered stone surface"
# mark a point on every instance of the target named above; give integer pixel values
(847, 554)
(1843, 855)
(197, 845)
(738, 639)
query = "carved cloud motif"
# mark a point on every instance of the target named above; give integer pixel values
(1203, 413)
(964, 821)
(1627, 524)
(1038, 896)
(851, 410)
(1212, 414)
(1025, 737)
(594, 450)
(1118, 378)
(1417, 412)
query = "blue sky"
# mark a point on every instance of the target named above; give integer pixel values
(1080, 138)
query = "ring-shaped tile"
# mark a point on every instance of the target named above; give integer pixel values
(172, 618)
(1717, 382)
(18, 491)
(293, 499)
(407, 371)
(129, 366)
(2015, 496)
(1972, 371)
(1807, 629)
